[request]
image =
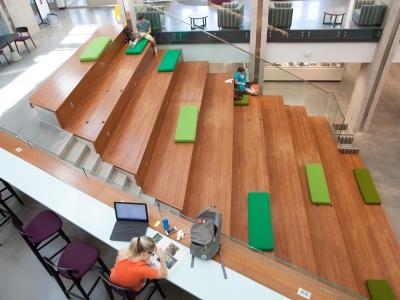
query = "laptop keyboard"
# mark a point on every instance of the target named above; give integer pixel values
(128, 230)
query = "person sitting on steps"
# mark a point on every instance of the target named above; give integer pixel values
(143, 31)
(241, 82)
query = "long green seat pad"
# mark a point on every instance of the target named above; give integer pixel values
(380, 289)
(138, 48)
(95, 49)
(187, 124)
(259, 226)
(366, 186)
(169, 60)
(243, 101)
(317, 184)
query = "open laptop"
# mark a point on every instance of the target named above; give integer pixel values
(132, 221)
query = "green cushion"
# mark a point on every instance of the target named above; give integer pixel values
(169, 60)
(366, 186)
(187, 124)
(380, 290)
(95, 49)
(261, 236)
(317, 184)
(138, 48)
(243, 101)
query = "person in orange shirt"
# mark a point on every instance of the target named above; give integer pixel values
(132, 267)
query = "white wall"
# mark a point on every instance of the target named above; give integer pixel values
(396, 57)
(22, 15)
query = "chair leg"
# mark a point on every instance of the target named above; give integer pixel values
(159, 289)
(7, 59)
(16, 46)
(26, 46)
(103, 266)
(83, 292)
(33, 42)
(64, 236)
(10, 189)
(61, 285)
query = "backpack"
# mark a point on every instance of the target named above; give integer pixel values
(206, 236)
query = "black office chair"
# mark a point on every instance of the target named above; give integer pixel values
(129, 294)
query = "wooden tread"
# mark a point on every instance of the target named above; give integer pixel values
(168, 172)
(138, 126)
(60, 84)
(110, 96)
(210, 179)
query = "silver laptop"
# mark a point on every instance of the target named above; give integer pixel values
(132, 221)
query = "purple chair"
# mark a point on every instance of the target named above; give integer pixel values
(2, 53)
(127, 293)
(23, 38)
(75, 261)
(40, 232)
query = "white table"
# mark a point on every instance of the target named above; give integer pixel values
(205, 280)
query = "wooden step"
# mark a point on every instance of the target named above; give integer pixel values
(96, 117)
(210, 178)
(361, 230)
(130, 146)
(249, 172)
(72, 80)
(293, 240)
(168, 172)
(381, 234)
(331, 254)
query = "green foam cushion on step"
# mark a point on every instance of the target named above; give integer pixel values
(243, 101)
(260, 231)
(187, 124)
(169, 60)
(366, 186)
(380, 290)
(317, 184)
(95, 49)
(138, 48)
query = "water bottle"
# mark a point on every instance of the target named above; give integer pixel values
(165, 224)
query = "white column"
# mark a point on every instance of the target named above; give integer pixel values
(21, 14)
(371, 78)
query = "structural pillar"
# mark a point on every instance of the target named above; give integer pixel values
(371, 78)
(258, 40)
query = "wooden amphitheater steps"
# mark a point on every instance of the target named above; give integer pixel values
(293, 241)
(168, 172)
(387, 247)
(210, 179)
(372, 247)
(98, 112)
(130, 146)
(331, 254)
(72, 80)
(249, 172)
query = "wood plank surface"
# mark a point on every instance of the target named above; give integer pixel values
(61, 83)
(249, 172)
(210, 179)
(168, 172)
(113, 91)
(130, 139)
(380, 229)
(330, 251)
(291, 226)
(264, 269)
(372, 249)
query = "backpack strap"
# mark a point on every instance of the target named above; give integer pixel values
(192, 263)
(222, 264)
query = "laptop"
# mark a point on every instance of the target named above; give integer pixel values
(132, 221)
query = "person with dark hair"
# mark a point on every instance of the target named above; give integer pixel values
(132, 267)
(241, 82)
(143, 31)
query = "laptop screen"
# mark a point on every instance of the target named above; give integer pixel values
(131, 211)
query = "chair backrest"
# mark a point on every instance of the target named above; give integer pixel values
(110, 287)
(372, 15)
(22, 29)
(282, 4)
(360, 3)
(230, 15)
(280, 17)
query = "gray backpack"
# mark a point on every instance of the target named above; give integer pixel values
(206, 236)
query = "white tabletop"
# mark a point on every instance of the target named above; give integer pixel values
(205, 280)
